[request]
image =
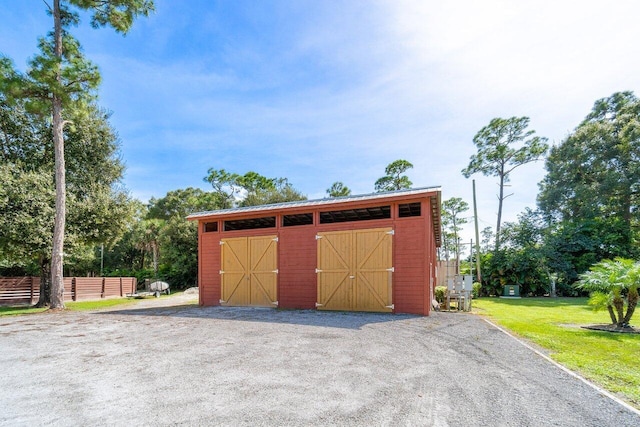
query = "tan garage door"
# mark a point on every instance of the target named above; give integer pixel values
(354, 270)
(249, 271)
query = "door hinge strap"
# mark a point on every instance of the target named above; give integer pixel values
(221, 243)
(275, 271)
(222, 301)
(318, 271)
(392, 306)
(392, 232)
(274, 303)
(319, 305)
(221, 271)
(275, 239)
(392, 269)
(318, 237)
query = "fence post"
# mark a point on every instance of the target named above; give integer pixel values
(121, 294)
(102, 293)
(74, 290)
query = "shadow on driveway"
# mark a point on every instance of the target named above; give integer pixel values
(334, 319)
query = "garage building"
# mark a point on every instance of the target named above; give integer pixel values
(372, 252)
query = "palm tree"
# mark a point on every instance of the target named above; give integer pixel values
(613, 284)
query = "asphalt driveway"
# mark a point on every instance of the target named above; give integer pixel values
(187, 365)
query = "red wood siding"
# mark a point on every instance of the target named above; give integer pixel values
(410, 275)
(430, 265)
(297, 267)
(209, 268)
(414, 254)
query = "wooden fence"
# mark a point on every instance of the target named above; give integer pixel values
(26, 290)
(446, 269)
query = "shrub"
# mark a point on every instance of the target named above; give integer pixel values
(441, 292)
(613, 285)
(477, 288)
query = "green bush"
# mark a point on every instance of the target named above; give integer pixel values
(441, 292)
(477, 288)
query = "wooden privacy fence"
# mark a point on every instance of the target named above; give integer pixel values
(26, 290)
(446, 270)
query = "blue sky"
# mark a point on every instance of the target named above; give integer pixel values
(324, 91)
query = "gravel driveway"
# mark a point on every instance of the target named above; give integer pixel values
(153, 364)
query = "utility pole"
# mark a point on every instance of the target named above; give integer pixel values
(475, 217)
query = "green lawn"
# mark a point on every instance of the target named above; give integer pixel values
(74, 305)
(97, 304)
(77, 305)
(14, 310)
(609, 359)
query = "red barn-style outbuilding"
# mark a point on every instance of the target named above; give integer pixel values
(372, 252)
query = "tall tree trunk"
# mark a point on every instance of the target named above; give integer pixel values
(627, 206)
(457, 243)
(552, 282)
(45, 282)
(57, 256)
(154, 249)
(500, 200)
(446, 251)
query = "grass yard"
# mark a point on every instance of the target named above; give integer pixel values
(77, 305)
(21, 309)
(609, 359)
(97, 304)
(72, 305)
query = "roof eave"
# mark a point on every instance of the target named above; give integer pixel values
(393, 195)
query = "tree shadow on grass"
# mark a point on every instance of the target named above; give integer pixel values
(610, 329)
(541, 301)
(600, 331)
(333, 319)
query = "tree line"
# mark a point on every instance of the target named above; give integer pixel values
(106, 231)
(64, 207)
(56, 94)
(587, 206)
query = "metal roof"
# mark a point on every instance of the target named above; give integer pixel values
(317, 202)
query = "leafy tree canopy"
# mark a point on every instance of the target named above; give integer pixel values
(338, 189)
(98, 208)
(250, 189)
(593, 176)
(60, 80)
(502, 146)
(394, 178)
(183, 202)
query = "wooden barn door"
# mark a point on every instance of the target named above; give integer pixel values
(373, 269)
(249, 271)
(355, 271)
(263, 271)
(335, 281)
